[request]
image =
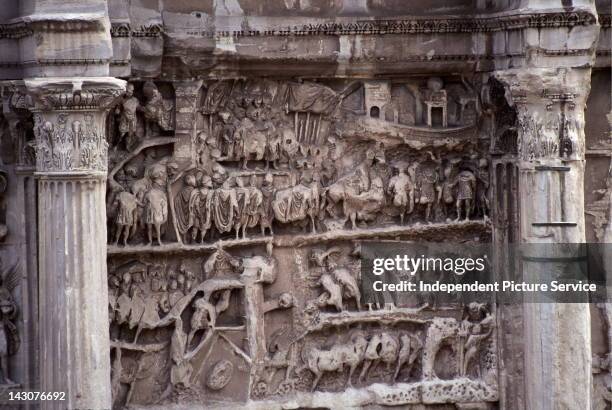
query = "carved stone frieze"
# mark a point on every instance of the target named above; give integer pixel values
(234, 270)
(267, 153)
(419, 25)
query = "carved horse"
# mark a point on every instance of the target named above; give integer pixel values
(321, 361)
(360, 193)
(382, 348)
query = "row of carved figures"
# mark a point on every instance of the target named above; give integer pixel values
(216, 202)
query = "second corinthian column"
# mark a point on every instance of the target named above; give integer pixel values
(71, 163)
(550, 106)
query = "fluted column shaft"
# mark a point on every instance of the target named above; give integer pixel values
(73, 290)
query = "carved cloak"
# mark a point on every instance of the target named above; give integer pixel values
(224, 208)
(182, 206)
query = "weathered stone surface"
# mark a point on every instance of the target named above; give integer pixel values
(190, 238)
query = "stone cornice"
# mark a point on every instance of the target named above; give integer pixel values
(65, 22)
(399, 25)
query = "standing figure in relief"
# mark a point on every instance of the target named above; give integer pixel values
(446, 195)
(207, 152)
(266, 215)
(242, 218)
(225, 207)
(273, 144)
(402, 189)
(200, 205)
(289, 147)
(316, 210)
(156, 207)
(185, 214)
(126, 220)
(223, 132)
(155, 111)
(477, 325)
(253, 208)
(466, 186)
(128, 120)
(427, 185)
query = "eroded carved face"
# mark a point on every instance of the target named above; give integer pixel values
(48, 127)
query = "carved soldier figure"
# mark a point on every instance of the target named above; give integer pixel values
(427, 189)
(226, 134)
(273, 144)
(317, 207)
(266, 211)
(242, 218)
(289, 146)
(204, 316)
(128, 120)
(206, 313)
(208, 152)
(255, 110)
(126, 220)
(402, 189)
(446, 189)
(252, 210)
(466, 186)
(63, 144)
(155, 111)
(476, 326)
(156, 207)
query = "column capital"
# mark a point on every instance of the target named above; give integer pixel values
(550, 106)
(70, 122)
(73, 94)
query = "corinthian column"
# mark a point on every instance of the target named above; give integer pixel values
(551, 146)
(71, 163)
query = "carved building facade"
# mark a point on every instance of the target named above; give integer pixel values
(186, 186)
